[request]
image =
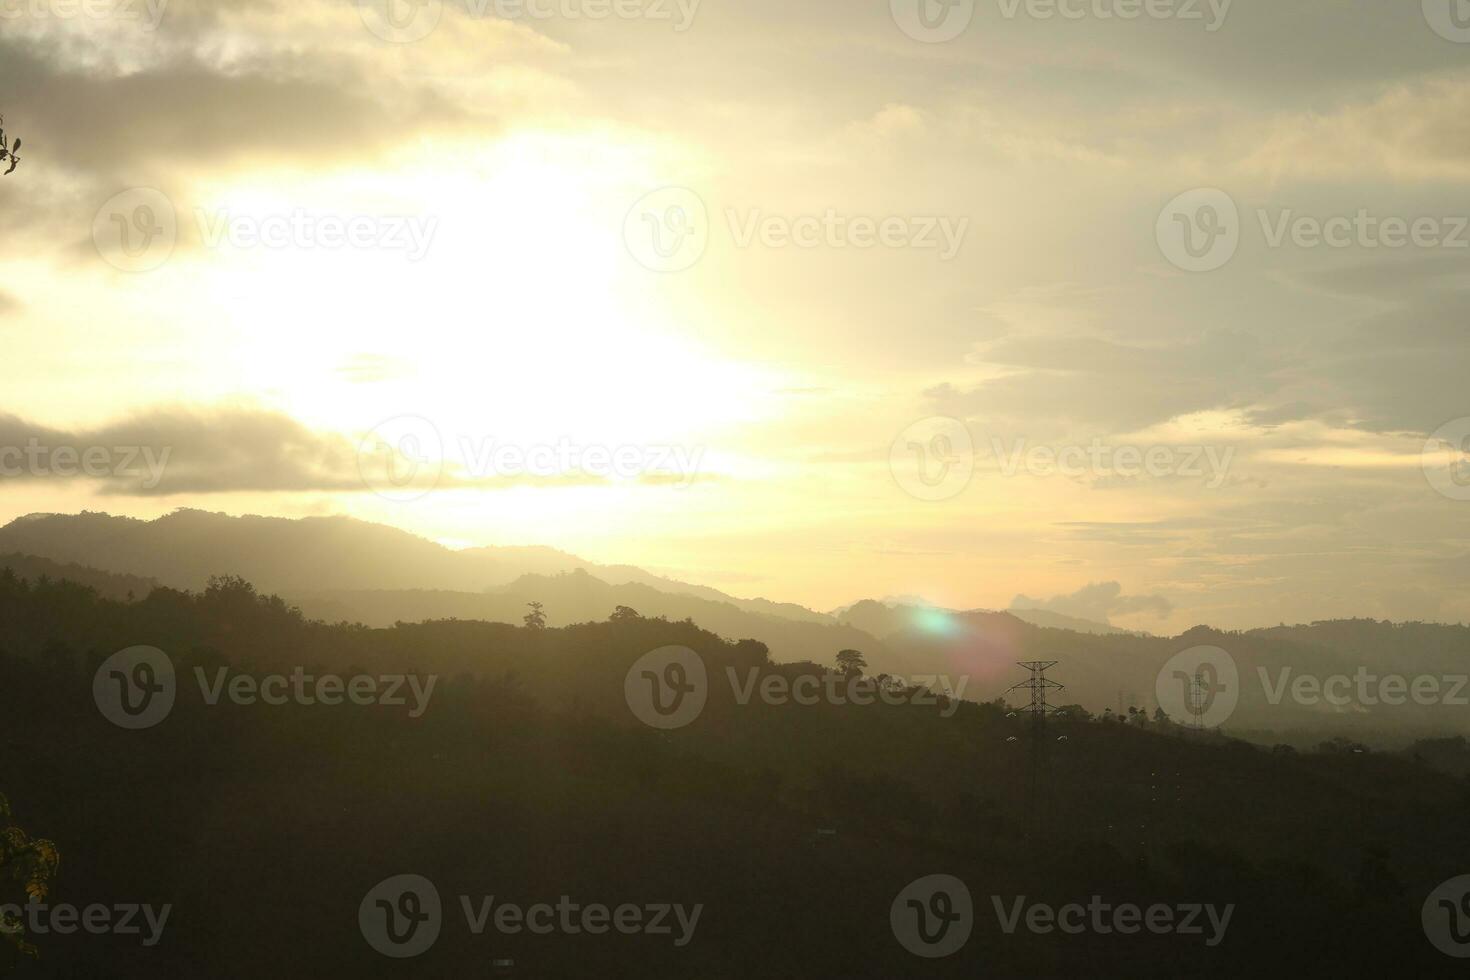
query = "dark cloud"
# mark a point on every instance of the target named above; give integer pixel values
(167, 451)
(185, 113)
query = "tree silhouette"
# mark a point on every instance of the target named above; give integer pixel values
(624, 614)
(25, 863)
(851, 662)
(536, 618)
(10, 153)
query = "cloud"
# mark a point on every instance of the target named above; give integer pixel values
(169, 451)
(1412, 131)
(1115, 384)
(1098, 601)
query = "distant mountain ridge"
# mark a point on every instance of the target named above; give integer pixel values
(339, 569)
(109, 585)
(888, 615)
(309, 554)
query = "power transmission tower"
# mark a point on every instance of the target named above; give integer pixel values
(1198, 699)
(1038, 686)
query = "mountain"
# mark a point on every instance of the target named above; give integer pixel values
(316, 554)
(107, 584)
(890, 615)
(337, 569)
(1058, 621)
(795, 826)
(579, 597)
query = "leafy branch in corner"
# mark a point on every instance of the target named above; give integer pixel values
(8, 152)
(28, 863)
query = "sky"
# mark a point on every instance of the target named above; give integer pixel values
(1151, 312)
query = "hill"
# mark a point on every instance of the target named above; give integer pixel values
(792, 826)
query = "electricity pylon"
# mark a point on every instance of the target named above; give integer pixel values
(1038, 685)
